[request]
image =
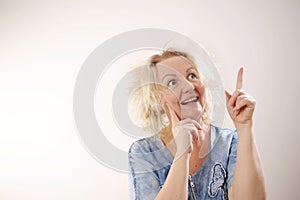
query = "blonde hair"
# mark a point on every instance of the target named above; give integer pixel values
(146, 97)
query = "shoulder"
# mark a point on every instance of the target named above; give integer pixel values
(145, 145)
(149, 154)
(223, 138)
(224, 133)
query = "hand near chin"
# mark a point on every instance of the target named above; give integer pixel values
(240, 105)
(184, 133)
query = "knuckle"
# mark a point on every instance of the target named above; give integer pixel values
(241, 91)
(236, 92)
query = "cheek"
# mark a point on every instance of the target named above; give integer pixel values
(202, 92)
(172, 101)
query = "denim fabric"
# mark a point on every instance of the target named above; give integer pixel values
(150, 162)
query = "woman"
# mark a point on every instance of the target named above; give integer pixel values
(190, 158)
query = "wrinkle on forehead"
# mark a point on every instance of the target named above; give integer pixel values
(175, 60)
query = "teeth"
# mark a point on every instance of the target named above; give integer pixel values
(195, 99)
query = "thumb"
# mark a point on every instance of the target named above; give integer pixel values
(228, 96)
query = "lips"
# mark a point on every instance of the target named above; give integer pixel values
(194, 99)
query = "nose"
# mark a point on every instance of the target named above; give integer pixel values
(187, 86)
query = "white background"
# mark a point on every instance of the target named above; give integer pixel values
(44, 43)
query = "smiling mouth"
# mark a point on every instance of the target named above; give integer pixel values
(195, 99)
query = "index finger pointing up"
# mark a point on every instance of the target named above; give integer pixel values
(239, 81)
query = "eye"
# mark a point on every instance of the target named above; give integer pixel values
(192, 76)
(171, 83)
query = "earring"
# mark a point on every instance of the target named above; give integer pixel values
(157, 109)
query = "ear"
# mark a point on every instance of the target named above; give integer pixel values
(162, 102)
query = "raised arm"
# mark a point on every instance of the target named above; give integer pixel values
(248, 180)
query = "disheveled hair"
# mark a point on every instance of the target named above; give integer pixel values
(146, 96)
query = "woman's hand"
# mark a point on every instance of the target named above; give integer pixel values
(248, 180)
(240, 105)
(184, 133)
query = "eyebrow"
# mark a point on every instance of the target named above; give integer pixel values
(192, 67)
(174, 75)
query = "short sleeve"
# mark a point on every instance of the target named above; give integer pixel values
(232, 159)
(143, 180)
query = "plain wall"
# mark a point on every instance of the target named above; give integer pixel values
(44, 43)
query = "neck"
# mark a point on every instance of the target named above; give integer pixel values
(202, 146)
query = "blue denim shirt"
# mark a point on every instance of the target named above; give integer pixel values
(150, 162)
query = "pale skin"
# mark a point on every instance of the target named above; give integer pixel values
(191, 135)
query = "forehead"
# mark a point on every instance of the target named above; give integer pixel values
(177, 64)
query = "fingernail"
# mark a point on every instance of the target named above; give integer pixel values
(195, 138)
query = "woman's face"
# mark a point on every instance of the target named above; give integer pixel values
(184, 90)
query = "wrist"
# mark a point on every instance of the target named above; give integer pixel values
(182, 157)
(245, 134)
(241, 127)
